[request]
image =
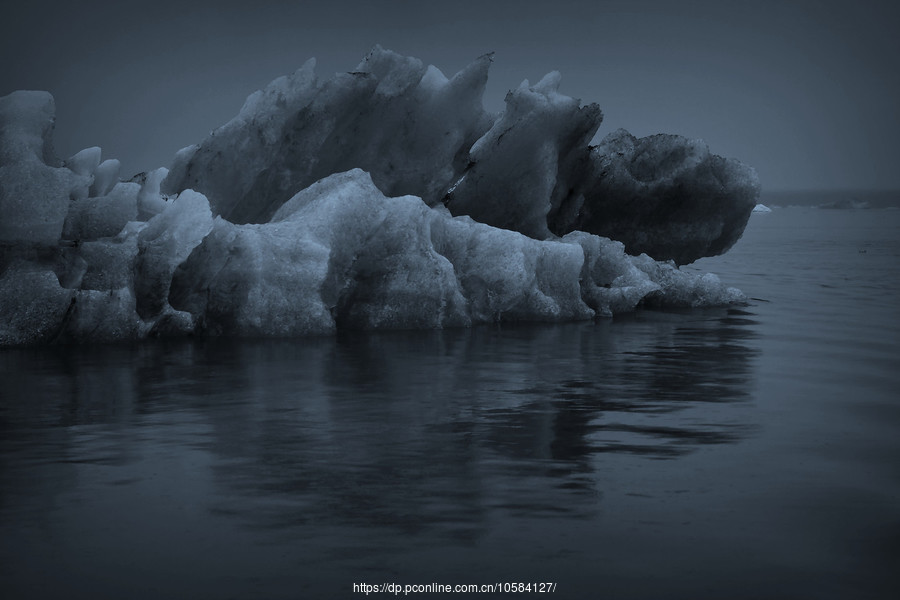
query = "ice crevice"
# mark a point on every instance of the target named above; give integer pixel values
(382, 198)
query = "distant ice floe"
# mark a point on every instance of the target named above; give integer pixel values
(846, 203)
(382, 198)
(761, 208)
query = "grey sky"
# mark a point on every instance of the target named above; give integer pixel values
(806, 92)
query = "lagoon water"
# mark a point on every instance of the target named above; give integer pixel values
(732, 453)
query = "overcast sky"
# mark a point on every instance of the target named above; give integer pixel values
(807, 92)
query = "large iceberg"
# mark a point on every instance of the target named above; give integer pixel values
(382, 198)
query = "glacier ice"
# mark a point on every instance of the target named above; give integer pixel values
(663, 195)
(382, 198)
(530, 169)
(35, 190)
(104, 216)
(517, 168)
(405, 124)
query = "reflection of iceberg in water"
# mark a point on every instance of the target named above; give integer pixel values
(652, 400)
(369, 445)
(379, 413)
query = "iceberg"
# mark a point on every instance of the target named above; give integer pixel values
(383, 198)
(847, 203)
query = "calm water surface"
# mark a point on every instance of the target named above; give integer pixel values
(729, 453)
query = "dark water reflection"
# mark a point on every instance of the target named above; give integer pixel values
(359, 446)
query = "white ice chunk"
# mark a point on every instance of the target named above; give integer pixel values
(149, 200)
(163, 244)
(105, 177)
(85, 162)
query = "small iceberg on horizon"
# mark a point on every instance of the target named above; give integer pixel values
(761, 208)
(847, 204)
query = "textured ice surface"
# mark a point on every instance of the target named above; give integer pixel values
(105, 216)
(401, 121)
(34, 190)
(663, 195)
(519, 169)
(163, 244)
(342, 255)
(382, 198)
(529, 170)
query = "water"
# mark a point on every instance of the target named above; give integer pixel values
(729, 453)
